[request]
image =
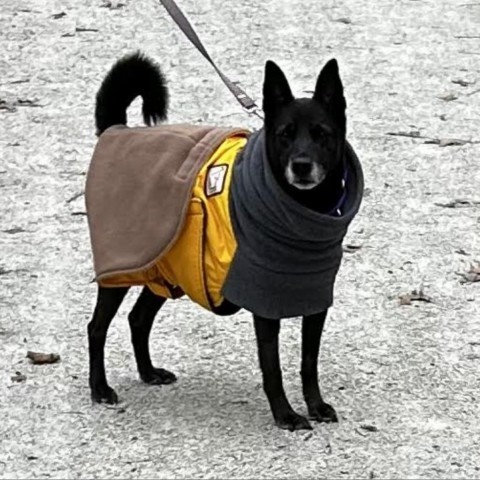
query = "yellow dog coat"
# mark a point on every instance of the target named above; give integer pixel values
(197, 260)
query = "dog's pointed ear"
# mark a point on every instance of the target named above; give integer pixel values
(276, 91)
(329, 91)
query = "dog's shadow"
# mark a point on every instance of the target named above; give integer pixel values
(199, 400)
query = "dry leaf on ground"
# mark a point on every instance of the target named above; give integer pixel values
(448, 97)
(42, 358)
(414, 296)
(18, 377)
(473, 275)
(369, 428)
(113, 5)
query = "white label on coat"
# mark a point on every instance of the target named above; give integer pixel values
(215, 180)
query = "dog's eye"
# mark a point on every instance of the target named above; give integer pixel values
(287, 132)
(318, 133)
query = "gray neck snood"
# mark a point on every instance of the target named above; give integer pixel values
(288, 255)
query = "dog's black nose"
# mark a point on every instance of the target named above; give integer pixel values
(302, 167)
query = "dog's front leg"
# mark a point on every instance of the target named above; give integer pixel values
(267, 340)
(312, 329)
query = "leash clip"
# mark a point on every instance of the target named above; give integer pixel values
(253, 110)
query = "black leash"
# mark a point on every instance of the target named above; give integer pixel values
(179, 18)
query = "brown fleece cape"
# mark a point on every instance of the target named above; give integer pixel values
(138, 189)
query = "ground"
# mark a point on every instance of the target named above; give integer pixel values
(403, 378)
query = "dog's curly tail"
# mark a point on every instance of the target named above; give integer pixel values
(132, 75)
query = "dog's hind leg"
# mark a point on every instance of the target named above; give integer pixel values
(267, 339)
(108, 301)
(141, 319)
(312, 329)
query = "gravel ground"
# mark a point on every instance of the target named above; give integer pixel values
(403, 378)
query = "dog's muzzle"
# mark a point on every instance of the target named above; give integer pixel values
(304, 174)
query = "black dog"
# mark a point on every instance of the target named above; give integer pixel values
(305, 144)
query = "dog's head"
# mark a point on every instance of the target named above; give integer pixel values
(305, 137)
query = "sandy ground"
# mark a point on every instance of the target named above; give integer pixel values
(403, 378)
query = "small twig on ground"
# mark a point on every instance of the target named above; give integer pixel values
(117, 409)
(350, 248)
(412, 134)
(77, 195)
(26, 102)
(462, 83)
(15, 82)
(307, 437)
(344, 20)
(82, 29)
(14, 230)
(458, 203)
(3, 271)
(473, 93)
(447, 142)
(441, 142)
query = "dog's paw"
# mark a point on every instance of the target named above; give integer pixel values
(322, 412)
(104, 394)
(292, 421)
(158, 376)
